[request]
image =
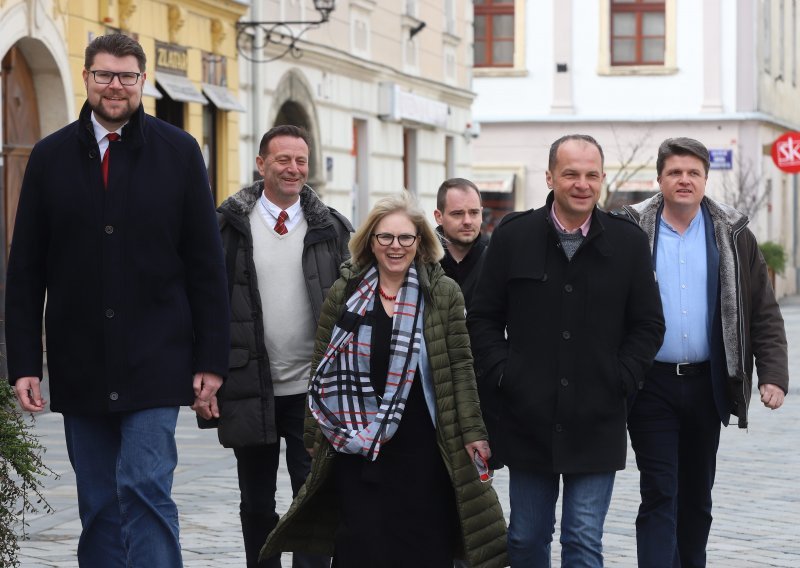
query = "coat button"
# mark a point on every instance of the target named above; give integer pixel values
(559, 428)
(566, 334)
(109, 313)
(109, 229)
(564, 381)
(568, 287)
(113, 396)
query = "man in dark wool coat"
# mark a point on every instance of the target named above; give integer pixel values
(116, 227)
(565, 320)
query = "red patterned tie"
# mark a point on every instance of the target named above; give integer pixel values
(280, 227)
(112, 137)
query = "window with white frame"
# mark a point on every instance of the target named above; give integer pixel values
(637, 37)
(449, 57)
(450, 17)
(638, 32)
(359, 33)
(493, 21)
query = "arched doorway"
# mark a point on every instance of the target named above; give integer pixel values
(33, 102)
(21, 131)
(295, 105)
(292, 113)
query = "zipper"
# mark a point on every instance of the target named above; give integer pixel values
(735, 234)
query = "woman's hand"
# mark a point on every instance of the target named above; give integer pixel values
(481, 446)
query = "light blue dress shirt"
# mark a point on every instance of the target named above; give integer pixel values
(682, 269)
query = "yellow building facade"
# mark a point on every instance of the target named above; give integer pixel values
(190, 44)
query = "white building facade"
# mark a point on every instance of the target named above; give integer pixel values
(384, 89)
(632, 73)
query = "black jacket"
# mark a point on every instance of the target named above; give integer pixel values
(134, 276)
(564, 342)
(247, 415)
(466, 272)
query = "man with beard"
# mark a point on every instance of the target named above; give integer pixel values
(116, 227)
(459, 214)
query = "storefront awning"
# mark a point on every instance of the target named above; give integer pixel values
(151, 91)
(180, 88)
(494, 183)
(222, 97)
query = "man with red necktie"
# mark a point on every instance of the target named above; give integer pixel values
(116, 227)
(283, 249)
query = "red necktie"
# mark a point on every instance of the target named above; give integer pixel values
(280, 227)
(112, 137)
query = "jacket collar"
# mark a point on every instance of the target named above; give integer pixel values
(648, 212)
(241, 203)
(596, 231)
(133, 133)
(428, 274)
(475, 250)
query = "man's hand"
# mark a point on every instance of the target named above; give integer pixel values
(29, 394)
(206, 386)
(771, 396)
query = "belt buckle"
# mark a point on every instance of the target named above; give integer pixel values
(678, 369)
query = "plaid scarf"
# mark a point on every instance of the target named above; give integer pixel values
(341, 398)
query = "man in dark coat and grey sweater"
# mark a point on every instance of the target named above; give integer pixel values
(116, 227)
(283, 251)
(565, 321)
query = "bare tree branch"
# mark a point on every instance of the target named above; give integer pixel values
(743, 187)
(631, 162)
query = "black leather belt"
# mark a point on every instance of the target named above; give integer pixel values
(681, 369)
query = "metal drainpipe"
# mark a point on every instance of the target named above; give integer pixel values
(255, 85)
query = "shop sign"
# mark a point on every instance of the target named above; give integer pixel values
(786, 152)
(172, 58)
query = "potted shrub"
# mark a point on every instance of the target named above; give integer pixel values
(775, 257)
(21, 470)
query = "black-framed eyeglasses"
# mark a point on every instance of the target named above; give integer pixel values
(386, 239)
(126, 78)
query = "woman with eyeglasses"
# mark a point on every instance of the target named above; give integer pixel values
(394, 421)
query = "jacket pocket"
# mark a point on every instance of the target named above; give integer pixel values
(238, 358)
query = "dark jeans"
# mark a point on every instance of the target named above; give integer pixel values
(124, 465)
(674, 428)
(258, 474)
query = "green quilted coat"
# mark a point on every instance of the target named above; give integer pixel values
(312, 519)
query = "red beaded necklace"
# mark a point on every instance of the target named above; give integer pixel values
(386, 296)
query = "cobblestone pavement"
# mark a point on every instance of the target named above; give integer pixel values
(756, 497)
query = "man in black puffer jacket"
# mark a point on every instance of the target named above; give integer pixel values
(283, 248)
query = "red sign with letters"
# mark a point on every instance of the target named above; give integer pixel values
(786, 152)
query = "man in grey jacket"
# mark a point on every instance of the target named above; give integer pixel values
(720, 312)
(283, 251)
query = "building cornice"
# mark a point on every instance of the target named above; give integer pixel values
(761, 117)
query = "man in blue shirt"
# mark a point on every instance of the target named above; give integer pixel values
(721, 313)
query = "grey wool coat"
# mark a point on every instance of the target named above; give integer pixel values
(247, 415)
(311, 522)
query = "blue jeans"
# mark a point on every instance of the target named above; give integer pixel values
(533, 517)
(123, 467)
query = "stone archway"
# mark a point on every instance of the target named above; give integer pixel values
(294, 104)
(35, 100)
